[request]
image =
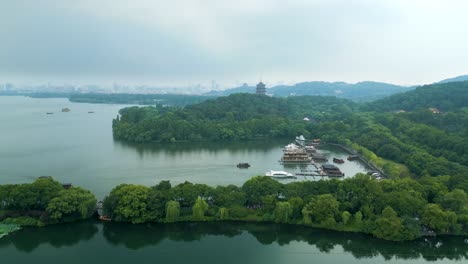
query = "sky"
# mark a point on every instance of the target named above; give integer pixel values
(406, 42)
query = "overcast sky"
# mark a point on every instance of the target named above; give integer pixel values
(189, 42)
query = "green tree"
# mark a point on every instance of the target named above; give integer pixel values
(345, 216)
(258, 187)
(172, 211)
(129, 203)
(72, 204)
(321, 208)
(456, 200)
(358, 218)
(199, 209)
(223, 213)
(389, 226)
(297, 204)
(437, 219)
(283, 212)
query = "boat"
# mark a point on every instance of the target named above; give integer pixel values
(295, 154)
(243, 165)
(49, 113)
(310, 148)
(300, 140)
(90, 112)
(319, 157)
(279, 174)
(65, 109)
(291, 148)
(339, 161)
(332, 170)
(104, 218)
(353, 157)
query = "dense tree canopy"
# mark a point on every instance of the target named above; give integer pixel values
(392, 209)
(44, 201)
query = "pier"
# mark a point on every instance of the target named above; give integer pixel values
(361, 158)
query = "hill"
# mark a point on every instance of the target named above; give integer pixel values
(234, 117)
(443, 96)
(362, 91)
(460, 78)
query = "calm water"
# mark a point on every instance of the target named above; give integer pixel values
(77, 147)
(91, 242)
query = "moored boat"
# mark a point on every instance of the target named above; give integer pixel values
(279, 174)
(339, 161)
(332, 170)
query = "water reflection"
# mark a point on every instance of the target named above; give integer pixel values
(177, 148)
(29, 239)
(135, 237)
(360, 246)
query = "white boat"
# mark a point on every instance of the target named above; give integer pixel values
(279, 174)
(310, 148)
(300, 140)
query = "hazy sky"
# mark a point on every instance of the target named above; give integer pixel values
(188, 42)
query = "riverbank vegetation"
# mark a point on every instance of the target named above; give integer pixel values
(6, 229)
(45, 201)
(390, 209)
(397, 210)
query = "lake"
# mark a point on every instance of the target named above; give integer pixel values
(216, 242)
(77, 147)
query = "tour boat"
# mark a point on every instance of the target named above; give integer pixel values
(279, 174)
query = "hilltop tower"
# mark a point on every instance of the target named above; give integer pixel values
(261, 88)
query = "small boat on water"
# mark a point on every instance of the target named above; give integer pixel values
(90, 112)
(104, 218)
(243, 165)
(65, 110)
(49, 113)
(339, 161)
(280, 174)
(353, 157)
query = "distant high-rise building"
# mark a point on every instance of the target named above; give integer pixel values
(261, 88)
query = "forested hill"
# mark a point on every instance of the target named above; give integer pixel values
(238, 116)
(426, 143)
(362, 91)
(443, 96)
(460, 78)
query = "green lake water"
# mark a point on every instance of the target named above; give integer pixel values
(93, 242)
(77, 147)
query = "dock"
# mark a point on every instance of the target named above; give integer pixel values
(359, 157)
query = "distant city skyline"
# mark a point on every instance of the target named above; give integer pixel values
(226, 43)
